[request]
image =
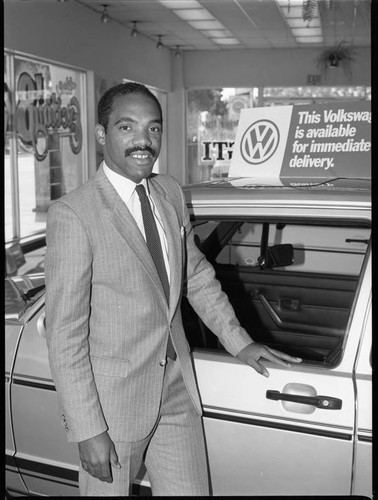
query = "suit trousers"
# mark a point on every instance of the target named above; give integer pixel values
(174, 453)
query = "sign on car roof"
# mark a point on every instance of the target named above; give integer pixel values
(303, 144)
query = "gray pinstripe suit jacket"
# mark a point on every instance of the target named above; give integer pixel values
(107, 316)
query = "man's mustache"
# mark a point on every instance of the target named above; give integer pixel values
(130, 151)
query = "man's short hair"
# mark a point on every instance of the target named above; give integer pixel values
(105, 104)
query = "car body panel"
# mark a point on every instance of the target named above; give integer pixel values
(363, 471)
(260, 468)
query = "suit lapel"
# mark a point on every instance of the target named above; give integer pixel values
(125, 224)
(172, 229)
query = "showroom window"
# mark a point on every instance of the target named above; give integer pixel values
(45, 129)
(213, 116)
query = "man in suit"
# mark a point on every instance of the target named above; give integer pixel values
(117, 348)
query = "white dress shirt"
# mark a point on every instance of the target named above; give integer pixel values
(126, 190)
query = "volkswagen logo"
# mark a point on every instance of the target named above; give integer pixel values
(259, 142)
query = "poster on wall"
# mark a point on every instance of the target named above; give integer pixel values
(50, 125)
(304, 144)
(45, 128)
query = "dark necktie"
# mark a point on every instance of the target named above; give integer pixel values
(154, 246)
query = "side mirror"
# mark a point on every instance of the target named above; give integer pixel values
(278, 256)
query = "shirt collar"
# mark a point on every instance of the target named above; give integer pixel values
(124, 186)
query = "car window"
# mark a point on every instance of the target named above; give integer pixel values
(301, 307)
(20, 262)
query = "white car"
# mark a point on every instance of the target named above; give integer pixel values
(296, 264)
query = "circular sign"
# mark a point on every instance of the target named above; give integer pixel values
(237, 104)
(259, 142)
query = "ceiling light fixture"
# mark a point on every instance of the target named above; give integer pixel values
(178, 51)
(105, 16)
(194, 14)
(207, 25)
(134, 31)
(181, 4)
(159, 44)
(226, 41)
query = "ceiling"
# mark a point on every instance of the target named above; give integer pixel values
(241, 24)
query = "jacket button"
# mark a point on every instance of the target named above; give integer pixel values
(163, 362)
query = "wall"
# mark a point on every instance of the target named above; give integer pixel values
(268, 67)
(70, 33)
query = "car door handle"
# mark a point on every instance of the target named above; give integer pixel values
(323, 402)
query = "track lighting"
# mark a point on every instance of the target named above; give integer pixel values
(177, 51)
(159, 45)
(134, 31)
(105, 16)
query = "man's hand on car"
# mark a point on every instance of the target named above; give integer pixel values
(252, 353)
(96, 456)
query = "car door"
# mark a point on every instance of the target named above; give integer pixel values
(48, 464)
(294, 432)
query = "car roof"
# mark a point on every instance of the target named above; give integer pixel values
(352, 192)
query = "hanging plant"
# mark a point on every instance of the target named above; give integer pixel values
(335, 57)
(308, 10)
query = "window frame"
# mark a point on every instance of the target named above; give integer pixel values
(329, 222)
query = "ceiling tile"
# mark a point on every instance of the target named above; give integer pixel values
(255, 23)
